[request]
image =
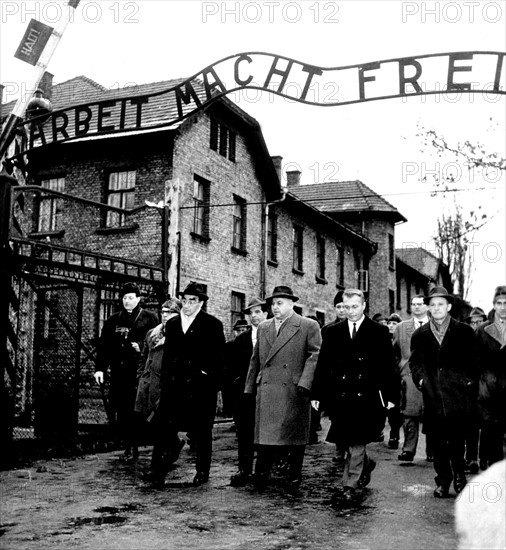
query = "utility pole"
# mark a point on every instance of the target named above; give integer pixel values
(37, 47)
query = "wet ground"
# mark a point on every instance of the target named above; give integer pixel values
(96, 502)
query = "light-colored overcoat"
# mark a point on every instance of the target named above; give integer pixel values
(411, 397)
(279, 365)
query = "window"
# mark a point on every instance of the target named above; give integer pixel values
(391, 301)
(236, 308)
(297, 248)
(340, 266)
(408, 296)
(320, 258)
(50, 206)
(223, 140)
(272, 237)
(108, 305)
(391, 252)
(398, 304)
(120, 193)
(201, 207)
(239, 224)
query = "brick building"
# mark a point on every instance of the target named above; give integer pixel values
(418, 271)
(357, 206)
(199, 199)
(231, 227)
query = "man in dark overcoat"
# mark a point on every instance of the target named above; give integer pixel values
(191, 375)
(281, 374)
(355, 383)
(444, 366)
(241, 352)
(118, 354)
(492, 388)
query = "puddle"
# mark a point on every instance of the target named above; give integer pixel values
(102, 520)
(130, 507)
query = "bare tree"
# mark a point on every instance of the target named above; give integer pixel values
(456, 228)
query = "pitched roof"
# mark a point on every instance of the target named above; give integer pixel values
(345, 196)
(82, 90)
(421, 260)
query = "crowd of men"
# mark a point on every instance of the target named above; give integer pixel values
(282, 370)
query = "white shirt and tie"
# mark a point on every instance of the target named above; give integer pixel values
(353, 326)
(420, 322)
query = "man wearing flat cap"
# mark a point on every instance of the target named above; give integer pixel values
(241, 352)
(492, 388)
(281, 374)
(118, 353)
(444, 367)
(191, 375)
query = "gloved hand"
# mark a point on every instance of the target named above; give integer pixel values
(99, 377)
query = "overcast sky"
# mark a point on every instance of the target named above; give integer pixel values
(124, 42)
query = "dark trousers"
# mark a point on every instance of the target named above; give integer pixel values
(167, 444)
(491, 444)
(449, 443)
(472, 438)
(245, 432)
(395, 421)
(128, 424)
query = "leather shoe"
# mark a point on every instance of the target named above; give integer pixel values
(459, 483)
(200, 478)
(393, 443)
(240, 479)
(406, 456)
(365, 478)
(349, 494)
(441, 491)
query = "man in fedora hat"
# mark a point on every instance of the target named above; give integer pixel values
(281, 373)
(229, 391)
(241, 352)
(476, 317)
(190, 377)
(118, 354)
(411, 399)
(444, 366)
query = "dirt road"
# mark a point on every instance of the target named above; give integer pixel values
(96, 502)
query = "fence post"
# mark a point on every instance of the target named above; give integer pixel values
(6, 400)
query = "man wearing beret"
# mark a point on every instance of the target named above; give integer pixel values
(281, 373)
(191, 375)
(119, 351)
(444, 366)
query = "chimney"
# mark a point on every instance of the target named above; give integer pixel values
(293, 178)
(277, 161)
(46, 84)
